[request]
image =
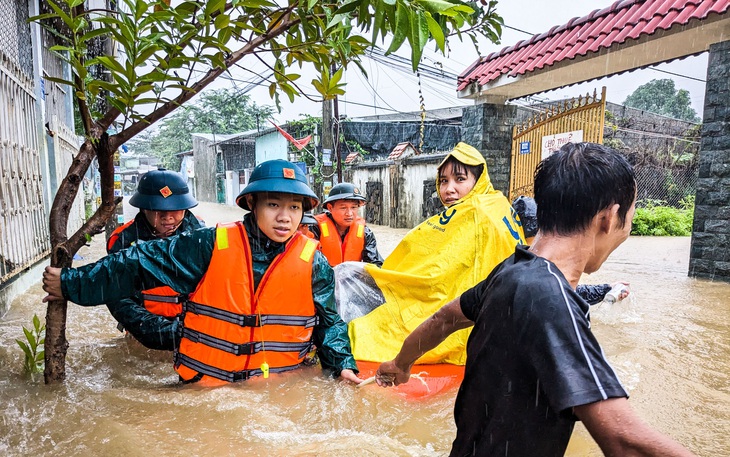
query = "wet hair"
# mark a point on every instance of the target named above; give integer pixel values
(461, 167)
(577, 182)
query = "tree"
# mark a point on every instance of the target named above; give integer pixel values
(161, 50)
(660, 96)
(218, 111)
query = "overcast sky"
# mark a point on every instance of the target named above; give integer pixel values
(388, 90)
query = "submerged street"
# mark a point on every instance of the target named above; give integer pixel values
(669, 344)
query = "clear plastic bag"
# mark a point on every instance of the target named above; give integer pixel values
(356, 293)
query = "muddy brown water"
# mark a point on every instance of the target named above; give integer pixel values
(669, 343)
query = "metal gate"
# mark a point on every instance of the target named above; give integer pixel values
(23, 224)
(578, 119)
(374, 205)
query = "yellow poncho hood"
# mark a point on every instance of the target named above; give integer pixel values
(434, 263)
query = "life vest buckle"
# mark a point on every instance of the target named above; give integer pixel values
(247, 349)
(250, 320)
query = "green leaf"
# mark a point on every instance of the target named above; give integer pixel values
(59, 81)
(222, 21)
(436, 6)
(62, 14)
(31, 339)
(93, 34)
(26, 349)
(107, 61)
(336, 78)
(348, 7)
(436, 31)
(140, 8)
(212, 6)
(402, 27)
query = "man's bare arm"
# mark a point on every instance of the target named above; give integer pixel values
(425, 337)
(619, 431)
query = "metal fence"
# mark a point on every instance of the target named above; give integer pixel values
(23, 227)
(666, 186)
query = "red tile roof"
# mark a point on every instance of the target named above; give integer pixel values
(399, 149)
(622, 21)
(351, 157)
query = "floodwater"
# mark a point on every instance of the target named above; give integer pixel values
(669, 343)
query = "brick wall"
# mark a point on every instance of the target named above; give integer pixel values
(710, 252)
(489, 129)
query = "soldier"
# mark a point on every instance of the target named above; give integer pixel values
(342, 232)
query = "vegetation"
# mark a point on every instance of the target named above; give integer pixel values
(169, 52)
(661, 97)
(219, 111)
(33, 347)
(654, 218)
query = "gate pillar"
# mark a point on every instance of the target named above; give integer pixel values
(710, 252)
(488, 128)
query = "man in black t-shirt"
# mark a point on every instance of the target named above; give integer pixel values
(533, 365)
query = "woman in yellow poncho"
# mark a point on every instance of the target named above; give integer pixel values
(438, 260)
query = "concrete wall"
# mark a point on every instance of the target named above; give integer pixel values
(205, 169)
(403, 183)
(360, 175)
(271, 146)
(710, 251)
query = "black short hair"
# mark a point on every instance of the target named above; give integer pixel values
(577, 182)
(461, 167)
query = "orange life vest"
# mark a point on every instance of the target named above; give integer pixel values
(163, 300)
(333, 247)
(231, 332)
(115, 235)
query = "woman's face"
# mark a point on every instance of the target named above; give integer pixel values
(455, 184)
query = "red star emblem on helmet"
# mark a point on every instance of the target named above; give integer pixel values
(165, 191)
(289, 173)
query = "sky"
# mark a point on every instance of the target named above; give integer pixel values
(387, 91)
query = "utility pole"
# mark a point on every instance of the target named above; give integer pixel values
(327, 146)
(337, 138)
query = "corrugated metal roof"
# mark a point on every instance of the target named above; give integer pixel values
(622, 21)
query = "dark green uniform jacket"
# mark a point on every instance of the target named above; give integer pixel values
(181, 261)
(152, 330)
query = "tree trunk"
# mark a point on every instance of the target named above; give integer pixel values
(63, 248)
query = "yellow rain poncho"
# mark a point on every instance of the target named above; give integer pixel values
(434, 263)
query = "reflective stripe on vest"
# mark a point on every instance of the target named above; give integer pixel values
(207, 370)
(333, 247)
(163, 301)
(229, 330)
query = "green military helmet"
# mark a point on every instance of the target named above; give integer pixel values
(344, 191)
(278, 176)
(162, 190)
(308, 219)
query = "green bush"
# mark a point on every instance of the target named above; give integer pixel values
(33, 348)
(653, 218)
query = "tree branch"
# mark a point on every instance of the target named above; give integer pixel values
(167, 108)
